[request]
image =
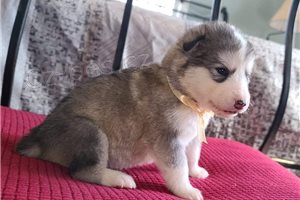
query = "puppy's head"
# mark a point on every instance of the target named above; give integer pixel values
(212, 64)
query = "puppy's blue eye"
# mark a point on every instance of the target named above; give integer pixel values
(222, 71)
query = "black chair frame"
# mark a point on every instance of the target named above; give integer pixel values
(20, 23)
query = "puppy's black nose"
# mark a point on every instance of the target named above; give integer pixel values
(239, 104)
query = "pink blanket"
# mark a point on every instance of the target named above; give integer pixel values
(236, 172)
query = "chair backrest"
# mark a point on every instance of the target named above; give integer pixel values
(21, 19)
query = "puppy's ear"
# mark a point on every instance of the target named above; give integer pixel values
(190, 45)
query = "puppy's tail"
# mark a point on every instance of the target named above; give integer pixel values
(29, 145)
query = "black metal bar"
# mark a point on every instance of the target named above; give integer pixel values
(286, 79)
(225, 16)
(13, 50)
(215, 10)
(274, 33)
(122, 36)
(191, 15)
(290, 165)
(197, 4)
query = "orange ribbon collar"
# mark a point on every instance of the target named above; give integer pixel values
(202, 114)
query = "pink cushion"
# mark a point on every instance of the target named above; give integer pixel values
(236, 172)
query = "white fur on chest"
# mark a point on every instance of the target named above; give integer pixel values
(186, 122)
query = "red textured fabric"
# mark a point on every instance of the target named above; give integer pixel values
(236, 172)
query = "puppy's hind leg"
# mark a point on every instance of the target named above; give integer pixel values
(89, 163)
(104, 176)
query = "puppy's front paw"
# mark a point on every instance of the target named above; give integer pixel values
(126, 181)
(198, 172)
(191, 194)
(115, 178)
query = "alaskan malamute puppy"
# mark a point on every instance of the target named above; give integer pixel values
(132, 117)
